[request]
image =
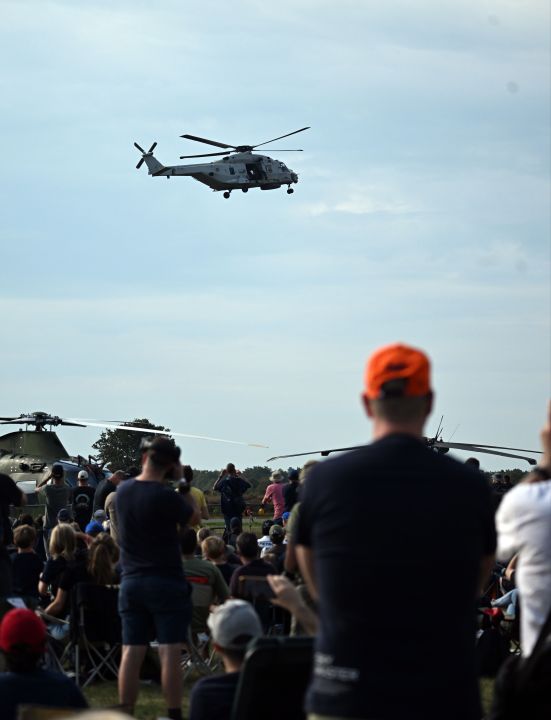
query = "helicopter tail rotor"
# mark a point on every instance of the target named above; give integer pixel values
(144, 153)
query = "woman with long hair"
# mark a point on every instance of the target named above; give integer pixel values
(103, 556)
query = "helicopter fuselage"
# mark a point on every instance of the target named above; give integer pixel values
(239, 171)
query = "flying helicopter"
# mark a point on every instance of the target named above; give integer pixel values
(434, 443)
(28, 455)
(240, 169)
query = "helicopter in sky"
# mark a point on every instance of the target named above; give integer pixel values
(240, 169)
(434, 443)
(28, 455)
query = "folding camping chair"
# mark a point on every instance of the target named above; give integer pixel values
(197, 655)
(96, 633)
(281, 662)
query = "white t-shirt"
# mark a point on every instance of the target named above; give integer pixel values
(524, 526)
(265, 544)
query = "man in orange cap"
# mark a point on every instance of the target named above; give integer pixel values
(388, 647)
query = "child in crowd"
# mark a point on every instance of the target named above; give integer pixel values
(26, 565)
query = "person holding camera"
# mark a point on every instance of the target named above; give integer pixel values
(232, 486)
(155, 598)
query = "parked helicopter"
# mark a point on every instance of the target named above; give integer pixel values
(241, 169)
(28, 455)
(435, 443)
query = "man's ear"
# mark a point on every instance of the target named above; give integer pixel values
(367, 405)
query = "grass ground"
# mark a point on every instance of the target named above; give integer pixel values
(151, 706)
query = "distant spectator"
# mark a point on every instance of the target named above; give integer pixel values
(105, 487)
(208, 584)
(23, 643)
(82, 500)
(233, 625)
(290, 562)
(274, 495)
(94, 528)
(24, 519)
(524, 527)
(103, 556)
(277, 550)
(248, 552)
(197, 494)
(26, 564)
(55, 496)
(63, 546)
(214, 550)
(10, 494)
(232, 486)
(236, 528)
(203, 534)
(64, 516)
(265, 541)
(290, 491)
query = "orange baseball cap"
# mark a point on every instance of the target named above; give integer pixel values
(394, 362)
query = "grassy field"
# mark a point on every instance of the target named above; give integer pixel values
(151, 706)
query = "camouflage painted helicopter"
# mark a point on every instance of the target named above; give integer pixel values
(241, 169)
(435, 443)
(28, 455)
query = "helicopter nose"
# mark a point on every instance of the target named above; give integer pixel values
(294, 177)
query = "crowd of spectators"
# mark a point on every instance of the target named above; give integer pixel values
(358, 552)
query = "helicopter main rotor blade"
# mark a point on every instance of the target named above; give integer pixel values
(466, 446)
(149, 431)
(282, 136)
(208, 142)
(315, 452)
(139, 148)
(184, 157)
(276, 150)
(478, 449)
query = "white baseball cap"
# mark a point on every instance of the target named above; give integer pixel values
(83, 475)
(232, 621)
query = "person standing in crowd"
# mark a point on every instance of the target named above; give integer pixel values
(23, 643)
(105, 487)
(197, 494)
(232, 625)
(290, 490)
(10, 494)
(413, 509)
(56, 496)
(274, 495)
(524, 527)
(154, 598)
(232, 486)
(82, 500)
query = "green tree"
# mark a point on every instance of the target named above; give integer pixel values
(121, 448)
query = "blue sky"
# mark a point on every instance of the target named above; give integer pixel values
(421, 215)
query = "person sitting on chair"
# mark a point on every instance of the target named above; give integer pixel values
(23, 643)
(232, 625)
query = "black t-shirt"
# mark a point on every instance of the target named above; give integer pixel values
(82, 501)
(227, 569)
(397, 533)
(53, 569)
(148, 516)
(290, 495)
(26, 569)
(212, 697)
(103, 489)
(10, 494)
(39, 687)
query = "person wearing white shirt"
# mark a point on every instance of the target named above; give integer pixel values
(524, 526)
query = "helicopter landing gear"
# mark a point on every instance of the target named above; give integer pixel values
(244, 189)
(227, 194)
(290, 190)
